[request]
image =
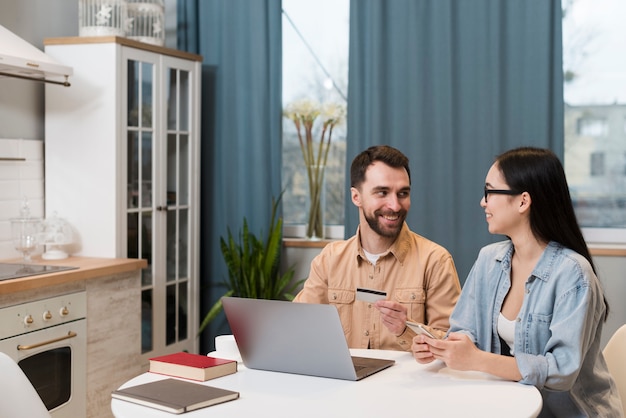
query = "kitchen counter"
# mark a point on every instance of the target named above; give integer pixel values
(113, 289)
(88, 268)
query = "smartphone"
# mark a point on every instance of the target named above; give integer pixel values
(420, 329)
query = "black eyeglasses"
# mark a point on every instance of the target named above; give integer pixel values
(500, 191)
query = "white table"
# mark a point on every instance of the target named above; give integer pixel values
(406, 389)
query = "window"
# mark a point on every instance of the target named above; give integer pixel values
(595, 116)
(597, 164)
(592, 127)
(315, 66)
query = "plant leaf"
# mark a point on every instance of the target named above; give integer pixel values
(213, 312)
(253, 265)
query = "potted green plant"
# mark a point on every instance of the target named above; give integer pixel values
(254, 266)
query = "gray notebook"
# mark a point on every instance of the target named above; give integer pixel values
(298, 338)
(175, 396)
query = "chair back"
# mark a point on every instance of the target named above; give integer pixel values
(615, 356)
(18, 397)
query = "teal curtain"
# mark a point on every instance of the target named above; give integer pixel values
(452, 84)
(241, 45)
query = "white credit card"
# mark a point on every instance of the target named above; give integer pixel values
(370, 295)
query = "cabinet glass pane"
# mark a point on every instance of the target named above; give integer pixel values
(183, 171)
(146, 237)
(183, 243)
(178, 96)
(133, 170)
(146, 276)
(132, 237)
(146, 169)
(183, 308)
(147, 322)
(172, 97)
(146, 95)
(183, 112)
(139, 244)
(171, 245)
(176, 312)
(133, 93)
(170, 309)
(172, 166)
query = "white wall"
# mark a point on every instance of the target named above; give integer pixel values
(19, 179)
(612, 273)
(22, 111)
(22, 101)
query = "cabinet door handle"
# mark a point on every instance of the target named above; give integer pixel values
(70, 334)
(159, 208)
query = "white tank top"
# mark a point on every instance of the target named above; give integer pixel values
(506, 330)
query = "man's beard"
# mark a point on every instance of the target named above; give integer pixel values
(375, 225)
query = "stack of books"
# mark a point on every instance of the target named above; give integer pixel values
(179, 396)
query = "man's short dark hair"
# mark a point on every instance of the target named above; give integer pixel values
(383, 153)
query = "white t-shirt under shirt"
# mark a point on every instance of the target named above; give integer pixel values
(506, 330)
(373, 258)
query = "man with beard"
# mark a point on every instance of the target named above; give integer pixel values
(413, 278)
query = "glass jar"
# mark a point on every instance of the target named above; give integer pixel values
(101, 17)
(146, 21)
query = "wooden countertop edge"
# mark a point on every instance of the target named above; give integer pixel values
(74, 40)
(305, 243)
(611, 252)
(88, 268)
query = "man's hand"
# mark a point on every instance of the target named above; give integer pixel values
(393, 315)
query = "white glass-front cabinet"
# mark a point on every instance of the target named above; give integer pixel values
(122, 167)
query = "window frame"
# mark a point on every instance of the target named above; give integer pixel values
(605, 237)
(583, 44)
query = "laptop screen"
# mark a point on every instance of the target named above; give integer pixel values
(290, 337)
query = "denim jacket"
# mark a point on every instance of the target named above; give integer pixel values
(557, 332)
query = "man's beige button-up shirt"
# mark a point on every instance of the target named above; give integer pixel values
(415, 272)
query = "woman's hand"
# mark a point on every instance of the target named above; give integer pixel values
(460, 353)
(421, 349)
(457, 351)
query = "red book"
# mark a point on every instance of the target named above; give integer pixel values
(192, 366)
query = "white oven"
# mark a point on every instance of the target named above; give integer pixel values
(48, 339)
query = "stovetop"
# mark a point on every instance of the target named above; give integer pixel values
(10, 271)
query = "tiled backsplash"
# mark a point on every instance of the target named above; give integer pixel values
(21, 176)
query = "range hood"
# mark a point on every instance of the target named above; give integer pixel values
(20, 59)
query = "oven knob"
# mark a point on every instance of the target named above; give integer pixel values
(47, 316)
(64, 311)
(28, 319)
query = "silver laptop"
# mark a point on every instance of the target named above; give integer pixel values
(298, 338)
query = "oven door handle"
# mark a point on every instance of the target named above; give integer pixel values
(70, 334)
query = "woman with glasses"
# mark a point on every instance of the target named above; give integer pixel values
(532, 308)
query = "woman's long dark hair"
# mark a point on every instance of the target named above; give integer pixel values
(539, 172)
